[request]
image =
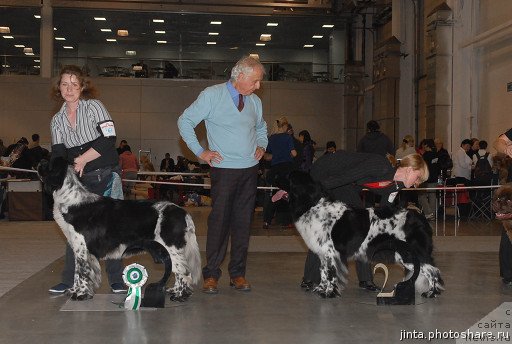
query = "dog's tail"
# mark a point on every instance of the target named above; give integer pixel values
(192, 253)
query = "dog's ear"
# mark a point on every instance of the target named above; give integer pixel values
(53, 173)
(43, 168)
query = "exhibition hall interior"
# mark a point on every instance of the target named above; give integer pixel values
(366, 80)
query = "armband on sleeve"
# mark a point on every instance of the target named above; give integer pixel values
(107, 129)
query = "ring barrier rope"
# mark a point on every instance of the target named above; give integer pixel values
(453, 189)
(16, 169)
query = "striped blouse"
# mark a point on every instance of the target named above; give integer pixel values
(89, 114)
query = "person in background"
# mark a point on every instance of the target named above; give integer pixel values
(444, 159)
(170, 71)
(167, 164)
(129, 168)
(330, 147)
(375, 141)
(2, 148)
(84, 133)
(120, 149)
(462, 163)
(503, 145)
(482, 171)
(406, 148)
(427, 199)
(343, 175)
(308, 151)
(474, 147)
(19, 157)
(237, 139)
(37, 153)
(280, 153)
(297, 145)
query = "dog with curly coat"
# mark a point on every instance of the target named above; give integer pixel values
(337, 232)
(99, 227)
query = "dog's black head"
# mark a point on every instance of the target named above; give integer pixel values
(53, 173)
(303, 192)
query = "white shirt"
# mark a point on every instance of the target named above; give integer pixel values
(461, 164)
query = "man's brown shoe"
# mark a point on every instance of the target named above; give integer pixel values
(240, 283)
(210, 286)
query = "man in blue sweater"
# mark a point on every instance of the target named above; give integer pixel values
(237, 139)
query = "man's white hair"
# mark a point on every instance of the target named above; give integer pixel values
(246, 66)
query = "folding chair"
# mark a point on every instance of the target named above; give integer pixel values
(481, 204)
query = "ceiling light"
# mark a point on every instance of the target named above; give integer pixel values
(37, 16)
(211, 43)
(37, 60)
(5, 66)
(255, 56)
(215, 22)
(131, 52)
(111, 40)
(27, 50)
(158, 21)
(318, 36)
(8, 37)
(160, 31)
(105, 30)
(54, 29)
(5, 29)
(137, 68)
(233, 48)
(161, 42)
(60, 39)
(308, 45)
(19, 46)
(272, 24)
(328, 26)
(122, 33)
(67, 47)
(213, 33)
(29, 54)
(265, 37)
(37, 66)
(260, 44)
(100, 18)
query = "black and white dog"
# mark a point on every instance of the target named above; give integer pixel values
(336, 232)
(101, 227)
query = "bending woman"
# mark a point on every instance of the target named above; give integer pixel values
(344, 175)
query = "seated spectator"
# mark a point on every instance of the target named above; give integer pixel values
(406, 148)
(167, 164)
(330, 147)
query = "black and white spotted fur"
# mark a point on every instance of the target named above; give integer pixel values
(336, 232)
(101, 227)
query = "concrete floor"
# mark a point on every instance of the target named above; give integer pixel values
(275, 311)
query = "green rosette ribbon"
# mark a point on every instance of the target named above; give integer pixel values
(134, 276)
